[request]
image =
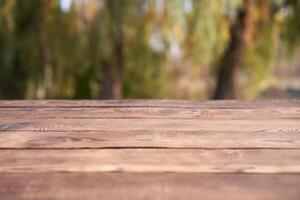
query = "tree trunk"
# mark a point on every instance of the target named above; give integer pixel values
(232, 58)
(112, 81)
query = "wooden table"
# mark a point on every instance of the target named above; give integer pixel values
(149, 149)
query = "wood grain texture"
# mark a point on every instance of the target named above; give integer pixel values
(226, 104)
(148, 186)
(150, 113)
(149, 149)
(152, 160)
(150, 139)
(44, 125)
(149, 123)
(169, 133)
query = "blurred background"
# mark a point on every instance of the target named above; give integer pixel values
(179, 49)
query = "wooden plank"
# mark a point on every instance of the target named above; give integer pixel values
(152, 160)
(273, 125)
(143, 186)
(150, 113)
(147, 139)
(150, 103)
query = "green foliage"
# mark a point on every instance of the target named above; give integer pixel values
(46, 52)
(291, 24)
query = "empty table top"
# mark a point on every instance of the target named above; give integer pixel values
(149, 149)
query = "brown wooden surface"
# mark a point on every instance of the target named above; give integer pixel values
(152, 160)
(149, 149)
(148, 186)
